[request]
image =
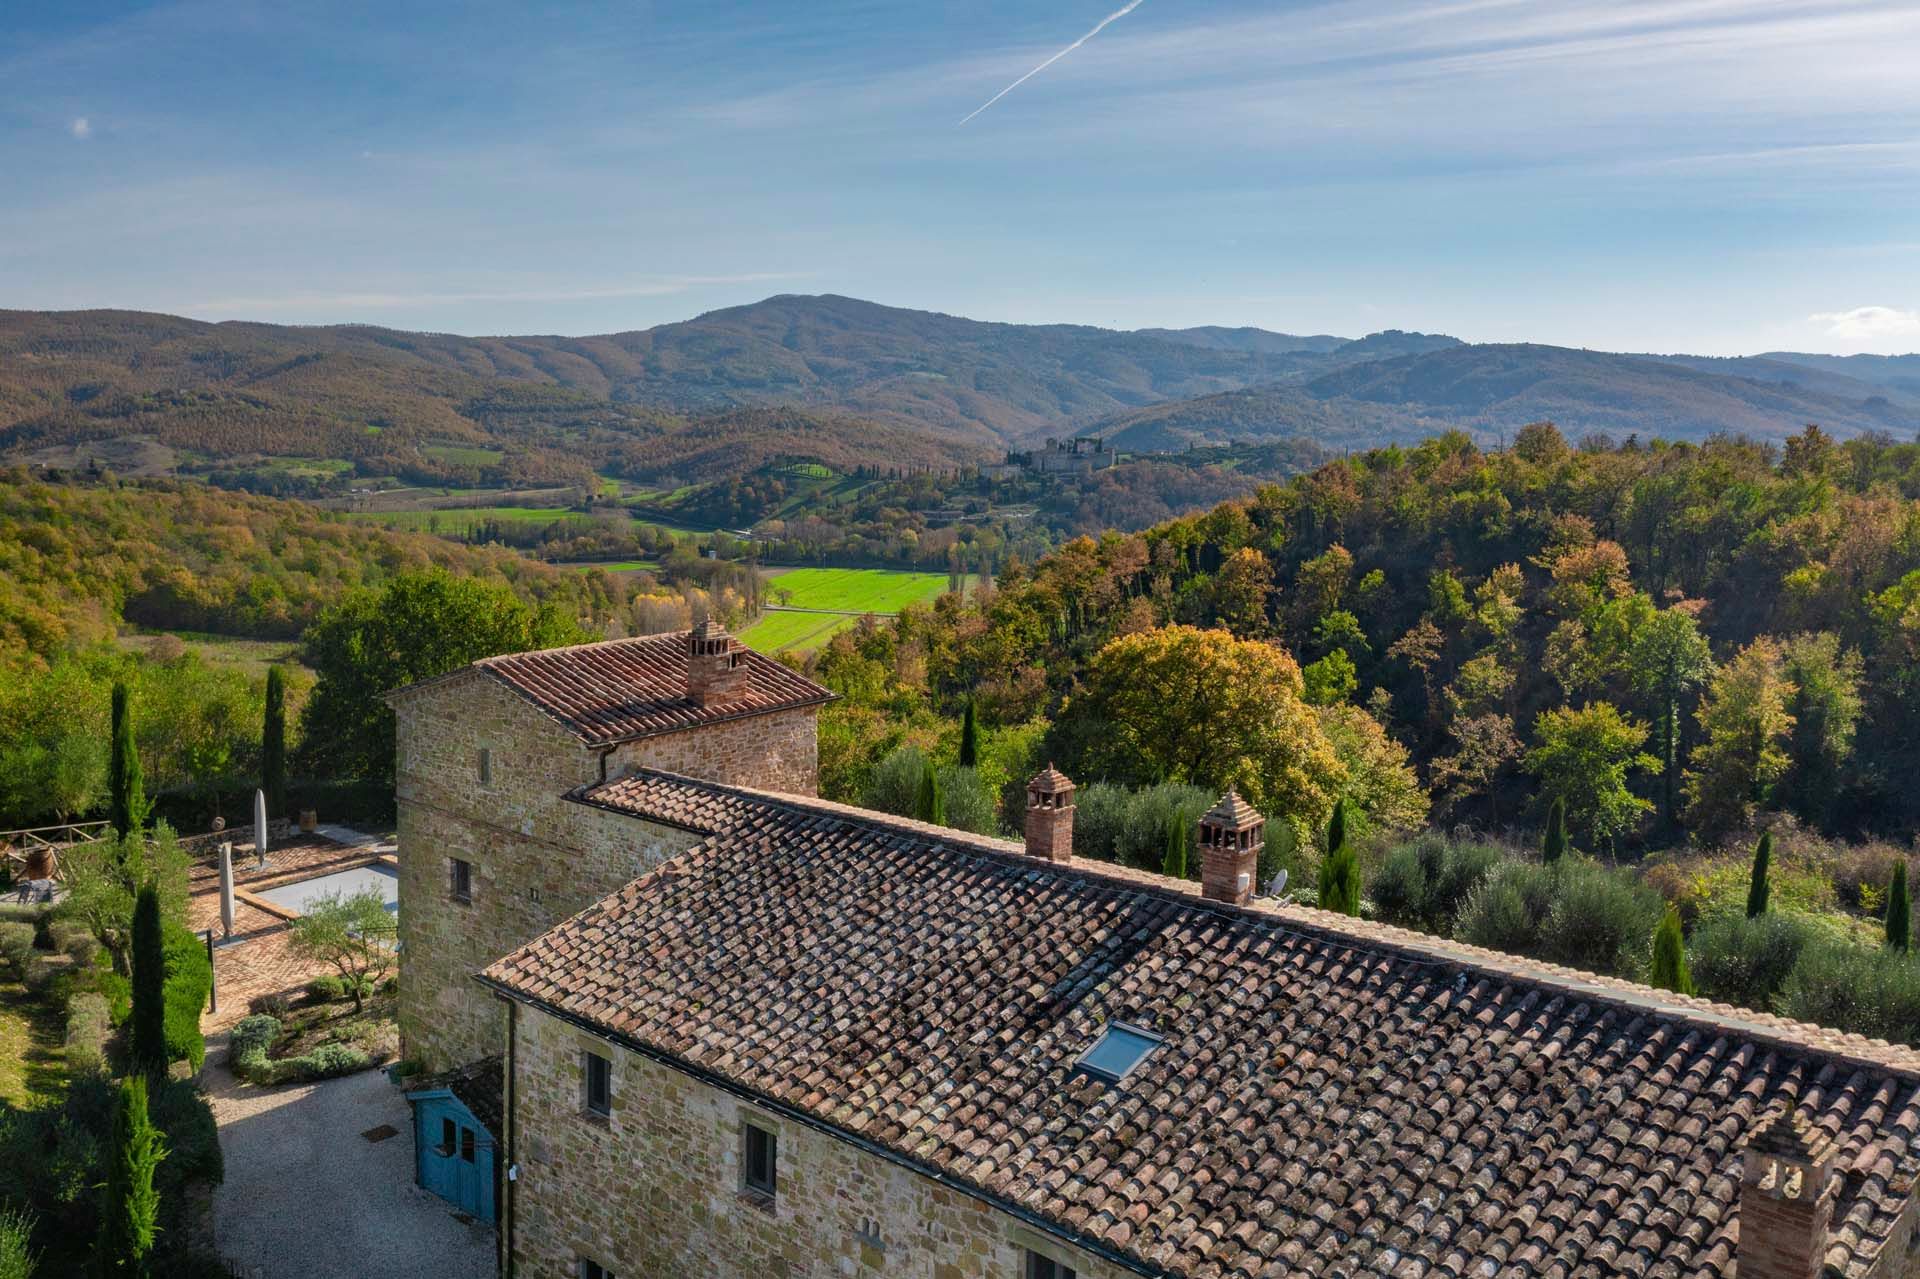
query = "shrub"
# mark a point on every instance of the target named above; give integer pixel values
(326, 990)
(247, 1045)
(16, 946)
(1425, 882)
(1099, 811)
(1668, 969)
(1508, 909)
(1871, 991)
(1746, 961)
(189, 978)
(970, 804)
(1601, 919)
(16, 1255)
(324, 1062)
(87, 1028)
(275, 1005)
(894, 784)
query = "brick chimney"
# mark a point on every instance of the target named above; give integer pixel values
(1231, 835)
(716, 676)
(1050, 816)
(1787, 1189)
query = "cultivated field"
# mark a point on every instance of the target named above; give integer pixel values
(793, 632)
(854, 590)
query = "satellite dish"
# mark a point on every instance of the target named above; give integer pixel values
(1278, 884)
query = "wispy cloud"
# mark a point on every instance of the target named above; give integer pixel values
(81, 127)
(1100, 26)
(348, 301)
(1868, 323)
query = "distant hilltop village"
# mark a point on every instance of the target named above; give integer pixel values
(714, 1025)
(1080, 455)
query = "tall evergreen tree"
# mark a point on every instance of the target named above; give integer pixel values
(1340, 869)
(927, 806)
(148, 1022)
(1899, 910)
(1178, 836)
(127, 798)
(1669, 970)
(1555, 846)
(1758, 888)
(1337, 827)
(969, 739)
(131, 1205)
(273, 744)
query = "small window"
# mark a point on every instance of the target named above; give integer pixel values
(459, 879)
(1119, 1049)
(466, 1145)
(599, 1084)
(590, 1269)
(446, 1137)
(1039, 1267)
(486, 767)
(760, 1164)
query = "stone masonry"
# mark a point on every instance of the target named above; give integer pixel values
(535, 857)
(655, 1188)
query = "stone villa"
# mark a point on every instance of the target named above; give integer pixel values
(749, 1032)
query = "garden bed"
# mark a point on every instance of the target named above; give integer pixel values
(318, 1039)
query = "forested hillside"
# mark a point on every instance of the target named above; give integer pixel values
(1674, 639)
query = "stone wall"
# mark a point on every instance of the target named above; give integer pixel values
(655, 1188)
(536, 857)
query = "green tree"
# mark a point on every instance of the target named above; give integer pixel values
(1745, 720)
(1899, 910)
(273, 743)
(356, 936)
(1669, 969)
(1825, 707)
(1667, 658)
(130, 1205)
(148, 1022)
(969, 739)
(420, 625)
(1583, 757)
(1174, 866)
(926, 804)
(1330, 680)
(1555, 846)
(104, 880)
(1340, 868)
(127, 800)
(1757, 887)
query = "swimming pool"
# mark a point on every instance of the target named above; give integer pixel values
(302, 894)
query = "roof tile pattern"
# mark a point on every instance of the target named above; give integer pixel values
(625, 689)
(1323, 1104)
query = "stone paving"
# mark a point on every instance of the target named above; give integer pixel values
(257, 960)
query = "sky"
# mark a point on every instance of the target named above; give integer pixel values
(1712, 176)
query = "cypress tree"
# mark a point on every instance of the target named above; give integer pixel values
(1337, 827)
(1175, 864)
(148, 1022)
(128, 801)
(969, 739)
(273, 744)
(1556, 846)
(1758, 888)
(1340, 869)
(1670, 956)
(1899, 910)
(132, 1205)
(927, 806)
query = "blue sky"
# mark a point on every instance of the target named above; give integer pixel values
(1705, 175)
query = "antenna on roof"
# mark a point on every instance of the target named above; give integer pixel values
(1276, 885)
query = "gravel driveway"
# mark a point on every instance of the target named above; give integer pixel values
(308, 1197)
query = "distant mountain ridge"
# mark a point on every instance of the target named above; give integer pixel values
(851, 381)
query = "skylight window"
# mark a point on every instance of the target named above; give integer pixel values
(1119, 1050)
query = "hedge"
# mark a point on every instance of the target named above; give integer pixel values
(189, 979)
(87, 1029)
(16, 947)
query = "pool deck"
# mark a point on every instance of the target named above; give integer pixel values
(257, 960)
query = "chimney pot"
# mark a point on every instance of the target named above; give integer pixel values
(1786, 1201)
(1231, 836)
(1049, 824)
(716, 671)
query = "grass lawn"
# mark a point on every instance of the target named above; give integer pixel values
(32, 1049)
(456, 519)
(618, 566)
(793, 632)
(251, 655)
(855, 590)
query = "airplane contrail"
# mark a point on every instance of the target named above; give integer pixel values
(1115, 16)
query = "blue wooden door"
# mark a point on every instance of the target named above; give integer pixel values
(455, 1155)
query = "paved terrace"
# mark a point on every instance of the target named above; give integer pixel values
(258, 960)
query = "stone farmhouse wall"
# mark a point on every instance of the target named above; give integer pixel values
(654, 1189)
(536, 857)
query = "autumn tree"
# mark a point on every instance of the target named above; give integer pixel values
(1825, 707)
(1583, 757)
(1745, 721)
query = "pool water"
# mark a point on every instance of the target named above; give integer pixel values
(301, 895)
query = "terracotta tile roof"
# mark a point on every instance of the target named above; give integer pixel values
(1331, 1097)
(619, 690)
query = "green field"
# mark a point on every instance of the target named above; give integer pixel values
(454, 519)
(462, 455)
(620, 566)
(250, 655)
(793, 632)
(854, 590)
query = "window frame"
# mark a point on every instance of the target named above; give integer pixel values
(460, 880)
(1085, 1066)
(590, 1062)
(449, 1137)
(486, 766)
(1038, 1265)
(767, 1139)
(585, 1267)
(467, 1145)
